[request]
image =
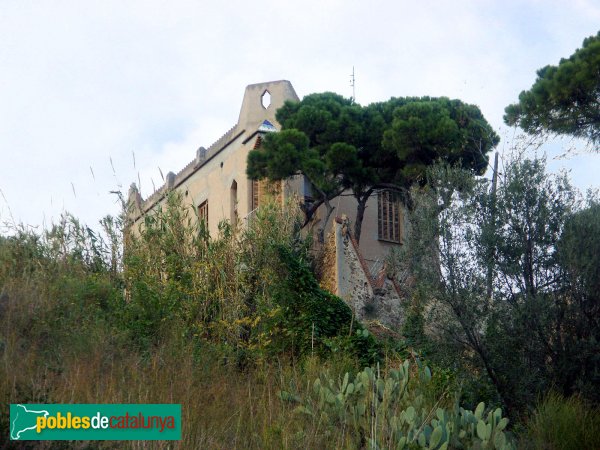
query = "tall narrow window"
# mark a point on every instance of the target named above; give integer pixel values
(203, 212)
(276, 190)
(234, 203)
(265, 191)
(389, 216)
(255, 195)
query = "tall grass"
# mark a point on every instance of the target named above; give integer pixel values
(222, 406)
(75, 328)
(560, 423)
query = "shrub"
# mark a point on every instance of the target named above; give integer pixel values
(250, 289)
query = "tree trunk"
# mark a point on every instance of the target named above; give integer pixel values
(360, 213)
(321, 231)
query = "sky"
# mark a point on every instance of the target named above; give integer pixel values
(95, 95)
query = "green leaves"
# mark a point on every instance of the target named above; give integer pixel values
(313, 320)
(282, 155)
(429, 129)
(482, 430)
(340, 145)
(287, 397)
(479, 411)
(512, 266)
(564, 98)
(436, 437)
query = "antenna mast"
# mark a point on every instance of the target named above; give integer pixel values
(353, 85)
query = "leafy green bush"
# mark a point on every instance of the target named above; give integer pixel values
(250, 289)
(310, 319)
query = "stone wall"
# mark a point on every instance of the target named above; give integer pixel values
(372, 297)
(326, 257)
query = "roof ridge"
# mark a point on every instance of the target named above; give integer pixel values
(214, 148)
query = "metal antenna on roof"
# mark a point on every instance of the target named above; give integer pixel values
(352, 80)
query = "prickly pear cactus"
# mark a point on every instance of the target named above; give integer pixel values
(390, 412)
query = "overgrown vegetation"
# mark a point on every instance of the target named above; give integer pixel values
(562, 423)
(249, 291)
(220, 325)
(506, 287)
(236, 328)
(397, 410)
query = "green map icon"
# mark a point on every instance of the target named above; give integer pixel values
(23, 419)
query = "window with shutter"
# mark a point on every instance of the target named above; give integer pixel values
(389, 216)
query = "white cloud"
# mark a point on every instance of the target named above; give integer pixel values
(84, 82)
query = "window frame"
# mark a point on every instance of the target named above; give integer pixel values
(389, 216)
(203, 212)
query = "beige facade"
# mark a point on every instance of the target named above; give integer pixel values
(216, 185)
